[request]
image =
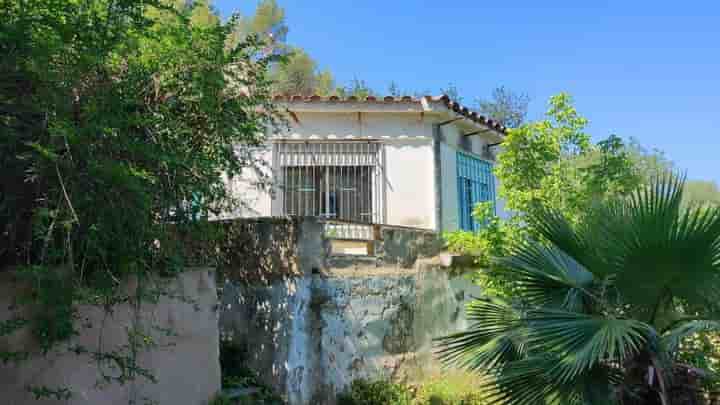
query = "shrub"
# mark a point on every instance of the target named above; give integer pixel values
(362, 392)
(456, 388)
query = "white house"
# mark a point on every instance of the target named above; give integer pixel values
(416, 162)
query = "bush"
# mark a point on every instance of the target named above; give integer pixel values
(237, 375)
(456, 388)
(379, 392)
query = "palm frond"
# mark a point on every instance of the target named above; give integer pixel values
(593, 296)
(574, 239)
(527, 382)
(495, 337)
(582, 342)
(656, 250)
(549, 276)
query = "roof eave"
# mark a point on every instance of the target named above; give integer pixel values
(441, 105)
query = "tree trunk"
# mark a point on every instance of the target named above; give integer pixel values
(683, 388)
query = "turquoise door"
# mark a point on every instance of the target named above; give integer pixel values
(476, 183)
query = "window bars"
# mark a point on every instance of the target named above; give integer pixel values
(338, 180)
(476, 183)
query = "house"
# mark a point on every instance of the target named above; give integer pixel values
(414, 162)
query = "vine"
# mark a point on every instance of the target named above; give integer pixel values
(122, 121)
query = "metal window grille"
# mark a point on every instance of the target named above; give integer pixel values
(476, 183)
(342, 180)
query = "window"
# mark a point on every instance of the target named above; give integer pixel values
(334, 180)
(476, 183)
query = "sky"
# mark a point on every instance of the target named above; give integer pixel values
(643, 69)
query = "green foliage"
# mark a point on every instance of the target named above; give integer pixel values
(296, 76)
(602, 301)
(492, 240)
(295, 72)
(551, 163)
(59, 394)
(381, 392)
(537, 162)
(451, 388)
(121, 120)
(268, 21)
(236, 375)
(325, 84)
(357, 88)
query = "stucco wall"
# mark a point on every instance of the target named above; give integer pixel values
(312, 336)
(409, 176)
(410, 183)
(185, 364)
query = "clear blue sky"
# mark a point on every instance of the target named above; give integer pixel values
(643, 69)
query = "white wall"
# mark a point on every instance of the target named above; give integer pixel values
(410, 183)
(253, 197)
(410, 177)
(409, 172)
(409, 157)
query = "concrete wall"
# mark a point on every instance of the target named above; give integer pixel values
(186, 365)
(310, 337)
(347, 317)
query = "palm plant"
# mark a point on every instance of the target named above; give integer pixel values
(603, 305)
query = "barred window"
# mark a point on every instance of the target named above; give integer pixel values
(340, 180)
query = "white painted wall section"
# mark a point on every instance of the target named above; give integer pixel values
(410, 185)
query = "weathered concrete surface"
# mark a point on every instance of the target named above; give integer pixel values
(185, 364)
(311, 336)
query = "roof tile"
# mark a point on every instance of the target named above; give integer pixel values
(445, 99)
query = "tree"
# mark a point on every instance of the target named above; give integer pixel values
(325, 84)
(357, 88)
(120, 120)
(506, 107)
(540, 163)
(294, 71)
(268, 23)
(296, 76)
(603, 304)
(551, 163)
(269, 20)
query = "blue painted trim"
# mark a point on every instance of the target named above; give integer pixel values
(476, 183)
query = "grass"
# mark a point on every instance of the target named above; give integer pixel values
(450, 388)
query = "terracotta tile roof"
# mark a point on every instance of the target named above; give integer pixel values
(443, 99)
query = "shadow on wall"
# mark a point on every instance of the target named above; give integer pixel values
(270, 330)
(250, 251)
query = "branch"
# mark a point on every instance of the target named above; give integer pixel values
(67, 197)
